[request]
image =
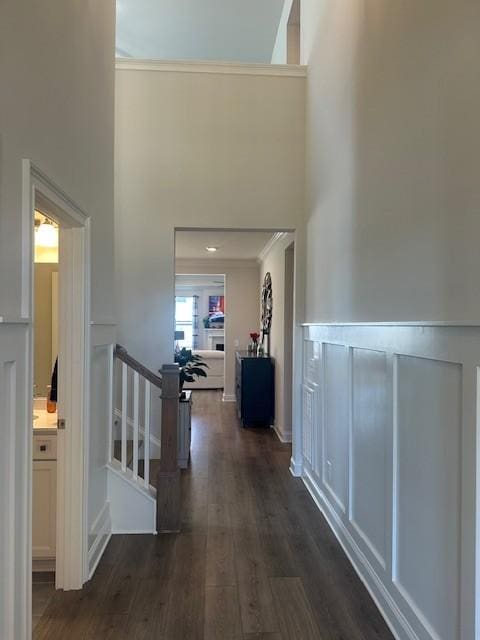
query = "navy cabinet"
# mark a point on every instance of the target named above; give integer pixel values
(255, 389)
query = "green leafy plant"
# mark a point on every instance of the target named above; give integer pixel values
(190, 366)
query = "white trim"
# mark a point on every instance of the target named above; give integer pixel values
(92, 566)
(415, 323)
(102, 530)
(270, 244)
(199, 66)
(394, 618)
(134, 532)
(39, 192)
(4, 320)
(228, 397)
(103, 323)
(72, 520)
(296, 469)
(284, 438)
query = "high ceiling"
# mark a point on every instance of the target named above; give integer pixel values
(222, 30)
(236, 245)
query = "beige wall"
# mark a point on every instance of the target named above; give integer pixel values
(56, 109)
(274, 263)
(43, 326)
(393, 157)
(242, 293)
(196, 150)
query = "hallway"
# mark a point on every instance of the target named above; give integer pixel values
(255, 558)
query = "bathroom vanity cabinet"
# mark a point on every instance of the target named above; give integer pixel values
(44, 503)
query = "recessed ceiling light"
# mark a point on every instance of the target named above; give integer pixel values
(211, 249)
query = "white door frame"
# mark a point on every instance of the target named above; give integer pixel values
(74, 367)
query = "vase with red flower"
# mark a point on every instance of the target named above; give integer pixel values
(253, 345)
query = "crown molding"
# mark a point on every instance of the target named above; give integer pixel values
(225, 68)
(270, 244)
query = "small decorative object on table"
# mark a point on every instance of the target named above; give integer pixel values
(253, 346)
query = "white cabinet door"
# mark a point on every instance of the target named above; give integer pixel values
(44, 509)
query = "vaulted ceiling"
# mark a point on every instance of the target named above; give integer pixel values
(224, 30)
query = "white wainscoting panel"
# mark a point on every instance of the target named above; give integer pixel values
(368, 465)
(15, 477)
(336, 422)
(99, 524)
(390, 454)
(426, 560)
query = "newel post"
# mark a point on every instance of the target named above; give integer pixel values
(168, 478)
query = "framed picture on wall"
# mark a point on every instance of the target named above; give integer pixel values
(216, 304)
(216, 311)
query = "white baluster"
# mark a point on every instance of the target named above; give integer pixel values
(135, 423)
(146, 446)
(124, 415)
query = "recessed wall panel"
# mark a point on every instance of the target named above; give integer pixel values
(428, 481)
(336, 427)
(371, 421)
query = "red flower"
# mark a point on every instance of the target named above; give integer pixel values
(254, 336)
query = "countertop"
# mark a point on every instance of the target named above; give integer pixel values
(44, 421)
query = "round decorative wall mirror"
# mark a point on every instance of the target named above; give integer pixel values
(267, 308)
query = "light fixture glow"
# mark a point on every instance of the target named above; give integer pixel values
(211, 249)
(46, 235)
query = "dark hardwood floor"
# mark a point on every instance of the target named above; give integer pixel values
(254, 560)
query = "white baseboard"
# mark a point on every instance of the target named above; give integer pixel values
(396, 621)
(102, 530)
(227, 397)
(284, 438)
(296, 469)
(133, 532)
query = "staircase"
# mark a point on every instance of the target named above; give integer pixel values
(143, 474)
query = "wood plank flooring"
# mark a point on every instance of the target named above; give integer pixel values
(255, 559)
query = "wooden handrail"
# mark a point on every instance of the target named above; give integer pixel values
(122, 354)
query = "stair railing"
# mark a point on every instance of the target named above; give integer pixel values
(167, 482)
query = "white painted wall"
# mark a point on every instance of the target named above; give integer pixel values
(242, 293)
(392, 221)
(274, 262)
(196, 149)
(393, 150)
(56, 70)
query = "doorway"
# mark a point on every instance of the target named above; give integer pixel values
(245, 257)
(45, 396)
(55, 455)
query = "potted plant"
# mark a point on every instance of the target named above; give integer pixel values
(190, 366)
